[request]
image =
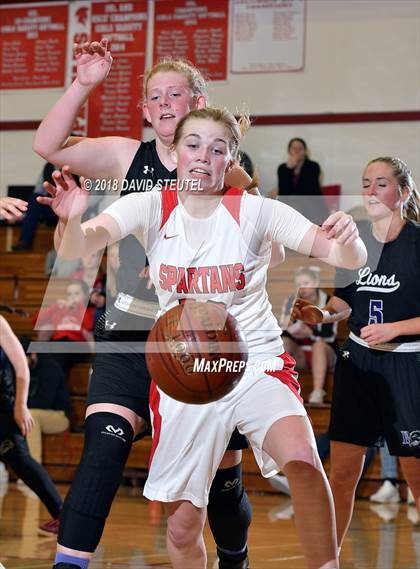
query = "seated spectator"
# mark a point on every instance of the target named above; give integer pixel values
(16, 422)
(311, 346)
(36, 212)
(48, 401)
(90, 272)
(299, 182)
(68, 321)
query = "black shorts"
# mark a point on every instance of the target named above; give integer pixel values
(122, 378)
(376, 397)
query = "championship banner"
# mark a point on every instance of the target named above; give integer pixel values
(196, 30)
(268, 36)
(113, 108)
(33, 42)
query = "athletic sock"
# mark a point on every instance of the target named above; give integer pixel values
(77, 561)
(232, 556)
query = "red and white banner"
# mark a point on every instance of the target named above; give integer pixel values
(268, 35)
(114, 106)
(196, 30)
(33, 44)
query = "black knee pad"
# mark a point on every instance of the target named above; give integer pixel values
(108, 440)
(229, 511)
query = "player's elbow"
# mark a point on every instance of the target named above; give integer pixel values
(39, 147)
(42, 146)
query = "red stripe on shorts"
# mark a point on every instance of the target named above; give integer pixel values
(154, 400)
(288, 375)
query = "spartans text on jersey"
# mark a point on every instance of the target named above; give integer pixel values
(202, 280)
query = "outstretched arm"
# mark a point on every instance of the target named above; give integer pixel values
(107, 157)
(72, 238)
(11, 208)
(334, 311)
(336, 242)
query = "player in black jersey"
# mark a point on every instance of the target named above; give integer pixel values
(16, 422)
(119, 387)
(377, 378)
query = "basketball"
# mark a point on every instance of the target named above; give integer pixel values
(196, 352)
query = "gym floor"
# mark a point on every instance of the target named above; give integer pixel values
(382, 536)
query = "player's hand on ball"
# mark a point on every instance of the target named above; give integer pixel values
(379, 333)
(341, 227)
(306, 311)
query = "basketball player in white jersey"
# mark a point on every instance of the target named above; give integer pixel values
(119, 385)
(215, 244)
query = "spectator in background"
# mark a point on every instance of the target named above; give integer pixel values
(16, 422)
(311, 346)
(68, 321)
(298, 179)
(36, 212)
(48, 401)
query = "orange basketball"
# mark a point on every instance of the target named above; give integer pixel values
(196, 352)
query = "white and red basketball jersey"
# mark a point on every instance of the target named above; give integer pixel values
(223, 257)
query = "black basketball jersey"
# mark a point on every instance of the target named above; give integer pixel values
(387, 288)
(145, 171)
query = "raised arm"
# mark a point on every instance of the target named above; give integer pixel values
(107, 157)
(14, 351)
(72, 238)
(336, 242)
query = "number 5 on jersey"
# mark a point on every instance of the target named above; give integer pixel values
(376, 315)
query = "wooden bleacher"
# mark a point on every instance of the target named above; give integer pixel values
(23, 285)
